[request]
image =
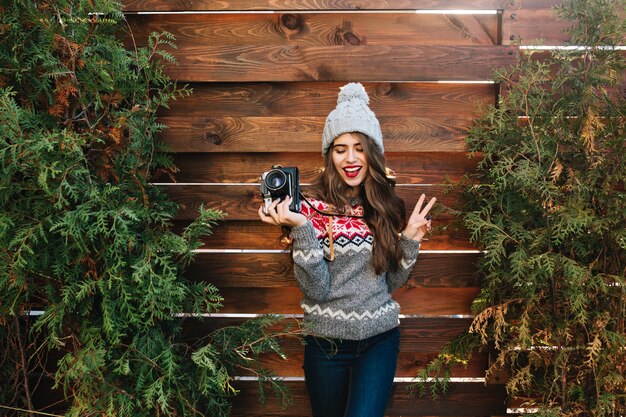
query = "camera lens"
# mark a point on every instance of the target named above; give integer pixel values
(275, 179)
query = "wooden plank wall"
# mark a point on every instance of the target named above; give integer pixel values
(265, 74)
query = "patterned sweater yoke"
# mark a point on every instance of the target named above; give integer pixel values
(344, 298)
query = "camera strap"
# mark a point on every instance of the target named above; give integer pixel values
(331, 246)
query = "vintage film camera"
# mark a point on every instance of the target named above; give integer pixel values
(280, 182)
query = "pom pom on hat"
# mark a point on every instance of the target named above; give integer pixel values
(353, 91)
(352, 114)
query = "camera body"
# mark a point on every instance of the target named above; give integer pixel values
(280, 182)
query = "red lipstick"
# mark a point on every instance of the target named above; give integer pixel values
(352, 171)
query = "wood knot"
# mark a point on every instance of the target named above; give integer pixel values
(292, 21)
(213, 138)
(351, 39)
(384, 89)
(417, 362)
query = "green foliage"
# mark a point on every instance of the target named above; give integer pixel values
(85, 236)
(548, 206)
(436, 375)
(239, 347)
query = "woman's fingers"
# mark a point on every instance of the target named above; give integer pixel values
(426, 227)
(277, 212)
(420, 213)
(430, 204)
(269, 214)
(264, 215)
(282, 209)
(416, 210)
(420, 222)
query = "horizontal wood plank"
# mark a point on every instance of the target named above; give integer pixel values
(235, 5)
(253, 234)
(251, 63)
(242, 202)
(538, 22)
(409, 364)
(409, 168)
(263, 51)
(469, 399)
(427, 302)
(417, 334)
(302, 134)
(443, 101)
(463, 399)
(420, 341)
(533, 26)
(531, 4)
(319, 29)
(232, 270)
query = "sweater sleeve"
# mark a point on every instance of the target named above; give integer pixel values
(310, 268)
(397, 278)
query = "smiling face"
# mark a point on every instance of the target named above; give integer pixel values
(349, 159)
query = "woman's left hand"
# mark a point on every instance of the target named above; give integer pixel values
(420, 222)
(278, 213)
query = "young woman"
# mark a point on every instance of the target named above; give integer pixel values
(351, 247)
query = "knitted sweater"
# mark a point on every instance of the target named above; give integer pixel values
(345, 298)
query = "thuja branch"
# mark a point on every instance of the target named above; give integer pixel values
(23, 366)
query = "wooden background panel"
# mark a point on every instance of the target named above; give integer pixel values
(302, 134)
(242, 202)
(317, 99)
(225, 5)
(242, 118)
(319, 29)
(251, 63)
(254, 234)
(410, 168)
(427, 302)
(232, 270)
(463, 399)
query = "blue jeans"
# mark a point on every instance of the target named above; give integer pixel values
(351, 378)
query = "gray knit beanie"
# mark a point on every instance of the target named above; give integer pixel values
(352, 114)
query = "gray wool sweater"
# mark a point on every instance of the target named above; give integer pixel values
(345, 298)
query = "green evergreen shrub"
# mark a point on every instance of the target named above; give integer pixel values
(547, 204)
(84, 235)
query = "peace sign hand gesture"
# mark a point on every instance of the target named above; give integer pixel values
(420, 222)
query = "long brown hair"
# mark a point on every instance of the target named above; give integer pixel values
(384, 210)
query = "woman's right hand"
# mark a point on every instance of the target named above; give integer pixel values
(278, 213)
